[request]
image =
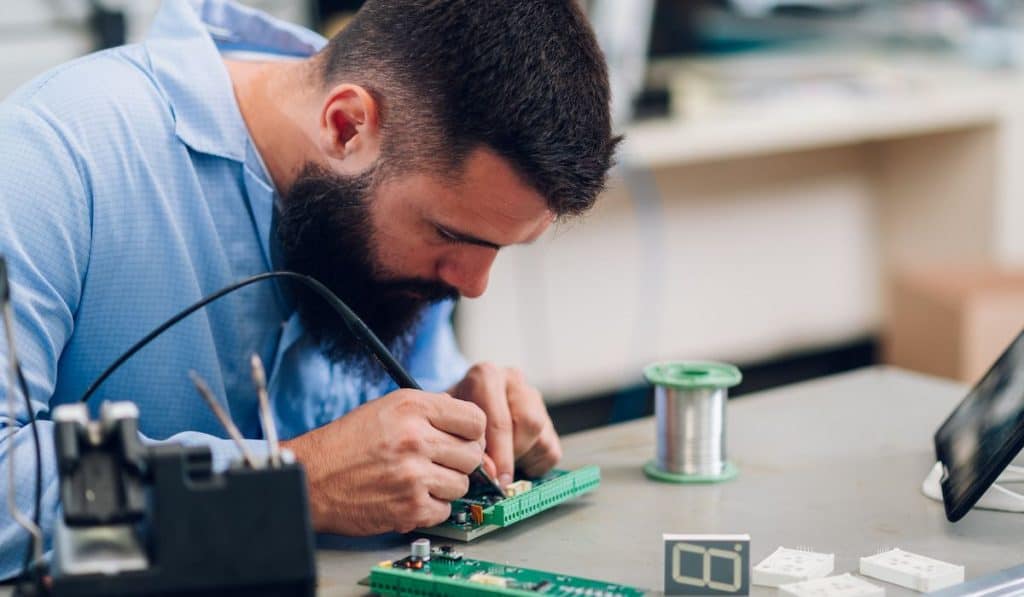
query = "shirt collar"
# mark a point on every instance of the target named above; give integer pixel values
(184, 46)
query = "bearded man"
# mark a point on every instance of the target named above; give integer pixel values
(392, 163)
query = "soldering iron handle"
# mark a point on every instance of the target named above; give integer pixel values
(395, 370)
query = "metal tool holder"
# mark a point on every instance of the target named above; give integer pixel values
(690, 409)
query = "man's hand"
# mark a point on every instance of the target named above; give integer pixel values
(519, 430)
(393, 464)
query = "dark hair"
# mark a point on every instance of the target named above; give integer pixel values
(524, 78)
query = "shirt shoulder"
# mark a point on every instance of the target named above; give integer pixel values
(96, 98)
(106, 72)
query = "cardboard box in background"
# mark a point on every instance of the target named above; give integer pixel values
(952, 322)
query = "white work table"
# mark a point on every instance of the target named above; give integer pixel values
(834, 465)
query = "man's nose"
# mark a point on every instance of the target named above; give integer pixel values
(468, 272)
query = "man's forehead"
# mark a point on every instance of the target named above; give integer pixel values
(488, 199)
(492, 188)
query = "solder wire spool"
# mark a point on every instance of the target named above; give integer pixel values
(689, 404)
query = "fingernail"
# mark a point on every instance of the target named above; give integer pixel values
(505, 479)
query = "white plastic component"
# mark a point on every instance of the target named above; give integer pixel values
(791, 566)
(912, 571)
(845, 585)
(487, 579)
(996, 497)
(514, 489)
(76, 412)
(111, 412)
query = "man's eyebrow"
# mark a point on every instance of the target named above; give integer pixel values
(462, 237)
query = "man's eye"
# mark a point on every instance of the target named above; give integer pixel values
(446, 236)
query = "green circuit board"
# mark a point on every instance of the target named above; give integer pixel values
(448, 574)
(493, 513)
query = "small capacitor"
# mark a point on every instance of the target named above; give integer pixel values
(460, 517)
(421, 549)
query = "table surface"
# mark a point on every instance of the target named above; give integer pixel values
(833, 465)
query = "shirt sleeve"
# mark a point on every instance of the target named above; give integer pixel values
(45, 237)
(435, 360)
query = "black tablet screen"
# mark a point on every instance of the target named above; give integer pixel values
(984, 433)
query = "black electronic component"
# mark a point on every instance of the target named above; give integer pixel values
(101, 477)
(707, 564)
(174, 526)
(984, 434)
(212, 537)
(447, 552)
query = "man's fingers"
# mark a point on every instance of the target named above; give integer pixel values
(484, 385)
(490, 467)
(529, 415)
(490, 394)
(447, 484)
(543, 456)
(428, 511)
(518, 427)
(457, 417)
(457, 454)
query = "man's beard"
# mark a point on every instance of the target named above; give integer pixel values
(325, 231)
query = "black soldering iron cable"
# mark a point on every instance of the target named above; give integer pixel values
(352, 321)
(355, 325)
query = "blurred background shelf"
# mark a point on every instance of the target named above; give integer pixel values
(754, 232)
(938, 97)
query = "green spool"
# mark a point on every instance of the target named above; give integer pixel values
(700, 388)
(689, 375)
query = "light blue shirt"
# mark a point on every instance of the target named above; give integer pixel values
(129, 189)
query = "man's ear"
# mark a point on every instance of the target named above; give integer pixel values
(350, 128)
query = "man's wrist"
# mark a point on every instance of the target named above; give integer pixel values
(297, 446)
